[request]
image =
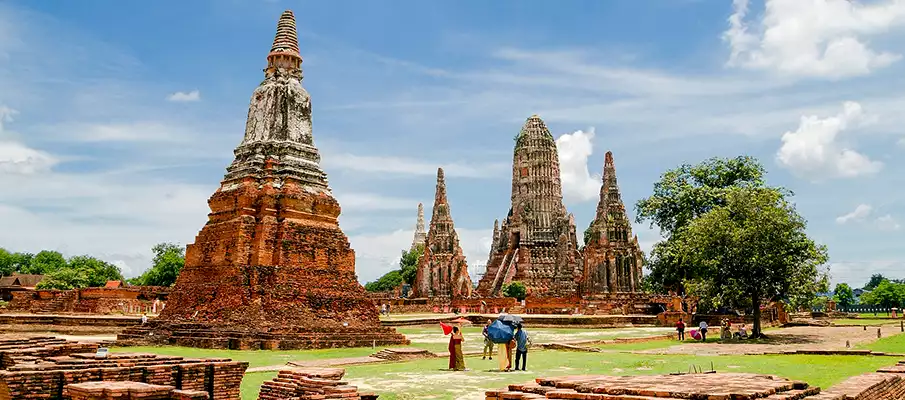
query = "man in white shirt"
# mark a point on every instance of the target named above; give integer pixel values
(703, 327)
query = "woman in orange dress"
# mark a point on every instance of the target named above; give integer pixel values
(456, 357)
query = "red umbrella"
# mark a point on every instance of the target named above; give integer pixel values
(447, 329)
(460, 320)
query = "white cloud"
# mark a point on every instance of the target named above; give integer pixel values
(6, 115)
(888, 223)
(857, 273)
(860, 212)
(901, 142)
(404, 166)
(183, 97)
(816, 38)
(131, 131)
(578, 184)
(812, 151)
(16, 158)
(377, 254)
(370, 201)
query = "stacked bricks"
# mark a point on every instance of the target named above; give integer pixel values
(107, 390)
(310, 384)
(47, 377)
(14, 351)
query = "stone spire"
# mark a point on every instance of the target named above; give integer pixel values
(612, 257)
(442, 269)
(420, 234)
(278, 135)
(536, 184)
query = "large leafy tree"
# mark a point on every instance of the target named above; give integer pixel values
(408, 269)
(80, 272)
(168, 260)
(875, 281)
(750, 249)
(679, 197)
(886, 294)
(844, 295)
(45, 262)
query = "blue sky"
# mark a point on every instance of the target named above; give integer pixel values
(117, 119)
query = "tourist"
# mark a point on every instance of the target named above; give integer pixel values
(510, 347)
(383, 309)
(144, 318)
(488, 344)
(502, 355)
(456, 357)
(521, 350)
(703, 327)
(742, 332)
(680, 327)
(388, 309)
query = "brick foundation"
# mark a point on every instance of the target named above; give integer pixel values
(47, 377)
(311, 383)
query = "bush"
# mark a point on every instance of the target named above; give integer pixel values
(516, 290)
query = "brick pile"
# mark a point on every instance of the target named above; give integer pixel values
(15, 351)
(45, 378)
(112, 390)
(311, 384)
(671, 387)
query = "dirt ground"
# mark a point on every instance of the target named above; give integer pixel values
(786, 339)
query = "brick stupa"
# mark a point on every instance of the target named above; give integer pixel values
(536, 242)
(612, 258)
(271, 268)
(442, 269)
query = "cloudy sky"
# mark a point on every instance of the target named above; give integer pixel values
(117, 119)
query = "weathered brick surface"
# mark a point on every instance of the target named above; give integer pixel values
(271, 267)
(107, 390)
(52, 377)
(126, 300)
(442, 269)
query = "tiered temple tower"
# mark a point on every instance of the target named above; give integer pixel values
(420, 234)
(612, 258)
(536, 244)
(442, 270)
(271, 268)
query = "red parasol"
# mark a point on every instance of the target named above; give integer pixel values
(447, 329)
(460, 320)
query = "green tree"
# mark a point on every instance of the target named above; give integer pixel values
(515, 290)
(7, 266)
(168, 260)
(843, 295)
(408, 270)
(97, 271)
(387, 282)
(751, 249)
(408, 263)
(65, 279)
(875, 280)
(44, 263)
(887, 294)
(679, 197)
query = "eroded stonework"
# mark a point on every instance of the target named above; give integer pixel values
(613, 260)
(271, 268)
(420, 234)
(442, 269)
(536, 243)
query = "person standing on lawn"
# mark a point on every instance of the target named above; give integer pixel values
(680, 328)
(456, 357)
(488, 344)
(703, 327)
(522, 341)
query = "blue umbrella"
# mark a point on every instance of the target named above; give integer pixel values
(511, 320)
(498, 332)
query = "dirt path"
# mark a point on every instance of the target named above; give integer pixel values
(786, 339)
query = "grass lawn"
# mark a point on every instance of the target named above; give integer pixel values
(865, 321)
(888, 344)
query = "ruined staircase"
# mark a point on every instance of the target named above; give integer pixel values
(57, 304)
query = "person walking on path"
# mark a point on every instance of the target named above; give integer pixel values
(510, 346)
(522, 342)
(456, 357)
(703, 327)
(488, 344)
(680, 328)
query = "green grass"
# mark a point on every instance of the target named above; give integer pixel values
(888, 344)
(261, 358)
(865, 321)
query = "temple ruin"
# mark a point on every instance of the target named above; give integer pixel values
(611, 256)
(271, 268)
(442, 269)
(536, 244)
(420, 234)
